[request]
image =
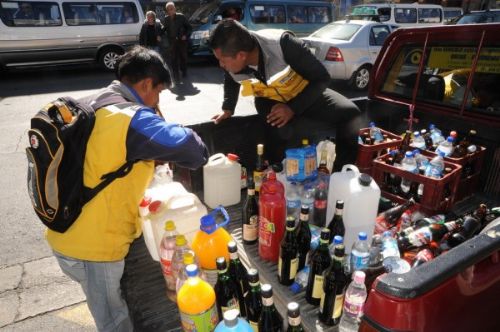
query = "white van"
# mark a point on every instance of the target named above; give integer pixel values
(413, 14)
(43, 32)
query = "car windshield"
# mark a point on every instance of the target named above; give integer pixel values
(342, 31)
(486, 17)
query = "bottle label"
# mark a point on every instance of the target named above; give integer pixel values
(257, 178)
(230, 304)
(293, 204)
(353, 310)
(205, 321)
(317, 287)
(360, 261)
(292, 166)
(250, 230)
(280, 262)
(266, 231)
(337, 307)
(243, 177)
(309, 165)
(294, 264)
(267, 301)
(294, 321)
(420, 237)
(254, 325)
(320, 204)
(166, 266)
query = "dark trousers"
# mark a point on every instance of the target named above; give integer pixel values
(331, 108)
(178, 57)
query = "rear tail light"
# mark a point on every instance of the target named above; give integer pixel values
(334, 54)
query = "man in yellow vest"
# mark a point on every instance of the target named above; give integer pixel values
(93, 249)
(288, 83)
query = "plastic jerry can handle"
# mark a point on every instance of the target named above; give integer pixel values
(222, 210)
(208, 222)
(350, 167)
(216, 159)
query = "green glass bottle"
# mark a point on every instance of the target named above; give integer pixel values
(250, 216)
(226, 291)
(253, 299)
(270, 320)
(288, 261)
(320, 261)
(238, 274)
(294, 321)
(336, 225)
(303, 237)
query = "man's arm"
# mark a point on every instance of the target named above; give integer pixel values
(187, 27)
(150, 137)
(231, 93)
(304, 63)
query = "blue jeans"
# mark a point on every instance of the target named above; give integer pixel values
(100, 282)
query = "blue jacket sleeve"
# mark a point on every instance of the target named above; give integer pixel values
(150, 137)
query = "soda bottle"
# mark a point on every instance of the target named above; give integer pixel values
(461, 148)
(389, 246)
(360, 253)
(250, 216)
(320, 205)
(226, 289)
(320, 261)
(167, 249)
(260, 167)
(436, 166)
(238, 273)
(408, 164)
(336, 225)
(272, 215)
(422, 223)
(253, 299)
(334, 286)
(389, 218)
(232, 323)
(355, 298)
(293, 193)
(425, 235)
(288, 261)
(375, 134)
(422, 257)
(196, 302)
(418, 141)
(300, 281)
(270, 320)
(303, 237)
(294, 321)
(307, 199)
(446, 147)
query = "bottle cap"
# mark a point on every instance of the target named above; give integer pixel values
(339, 204)
(231, 317)
(290, 222)
(188, 258)
(393, 152)
(325, 234)
(266, 290)
(432, 126)
(372, 124)
(232, 157)
(231, 247)
(449, 139)
(453, 134)
(253, 275)
(192, 270)
(423, 132)
(304, 209)
(387, 233)
(472, 132)
(362, 236)
(365, 180)
(295, 288)
(180, 240)
(277, 168)
(145, 201)
(441, 153)
(415, 152)
(359, 277)
(208, 224)
(416, 133)
(260, 148)
(305, 141)
(293, 310)
(408, 154)
(337, 239)
(221, 263)
(169, 225)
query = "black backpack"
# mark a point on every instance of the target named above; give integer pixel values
(58, 142)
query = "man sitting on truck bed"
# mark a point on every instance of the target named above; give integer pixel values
(288, 83)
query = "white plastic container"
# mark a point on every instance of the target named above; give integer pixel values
(222, 180)
(176, 204)
(339, 188)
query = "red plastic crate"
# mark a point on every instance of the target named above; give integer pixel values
(434, 199)
(367, 153)
(467, 185)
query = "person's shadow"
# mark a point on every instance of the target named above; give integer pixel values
(183, 89)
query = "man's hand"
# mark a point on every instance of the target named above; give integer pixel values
(280, 115)
(222, 116)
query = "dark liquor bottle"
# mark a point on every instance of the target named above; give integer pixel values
(429, 145)
(253, 299)
(461, 149)
(226, 289)
(250, 216)
(294, 321)
(320, 204)
(320, 261)
(334, 287)
(336, 225)
(260, 167)
(405, 145)
(288, 261)
(468, 228)
(270, 320)
(303, 237)
(425, 235)
(322, 168)
(389, 218)
(238, 274)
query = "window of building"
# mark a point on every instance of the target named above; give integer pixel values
(30, 13)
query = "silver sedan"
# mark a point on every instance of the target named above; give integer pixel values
(349, 48)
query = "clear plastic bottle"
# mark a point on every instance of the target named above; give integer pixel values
(188, 258)
(420, 159)
(436, 135)
(408, 164)
(446, 147)
(355, 298)
(301, 279)
(436, 166)
(389, 246)
(293, 199)
(167, 249)
(360, 253)
(337, 239)
(308, 200)
(375, 134)
(181, 247)
(418, 141)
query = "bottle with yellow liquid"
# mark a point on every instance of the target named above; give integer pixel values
(196, 302)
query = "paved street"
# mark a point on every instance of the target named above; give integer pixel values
(34, 294)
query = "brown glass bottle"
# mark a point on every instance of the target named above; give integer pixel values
(392, 215)
(322, 168)
(336, 225)
(250, 216)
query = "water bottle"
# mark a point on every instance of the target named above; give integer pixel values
(418, 141)
(420, 159)
(181, 247)
(375, 134)
(360, 253)
(408, 164)
(436, 166)
(293, 199)
(308, 200)
(337, 239)
(446, 147)
(389, 246)
(436, 135)
(355, 298)
(300, 282)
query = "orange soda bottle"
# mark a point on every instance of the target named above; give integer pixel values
(196, 302)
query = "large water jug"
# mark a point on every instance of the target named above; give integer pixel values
(222, 180)
(339, 188)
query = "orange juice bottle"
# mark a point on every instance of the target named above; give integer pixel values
(196, 302)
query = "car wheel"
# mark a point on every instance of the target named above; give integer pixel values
(109, 58)
(361, 78)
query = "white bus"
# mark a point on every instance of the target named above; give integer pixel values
(414, 14)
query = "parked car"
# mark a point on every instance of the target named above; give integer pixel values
(403, 14)
(349, 48)
(451, 14)
(480, 16)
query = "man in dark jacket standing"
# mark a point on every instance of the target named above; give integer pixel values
(151, 31)
(177, 30)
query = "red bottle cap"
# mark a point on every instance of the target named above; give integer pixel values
(232, 157)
